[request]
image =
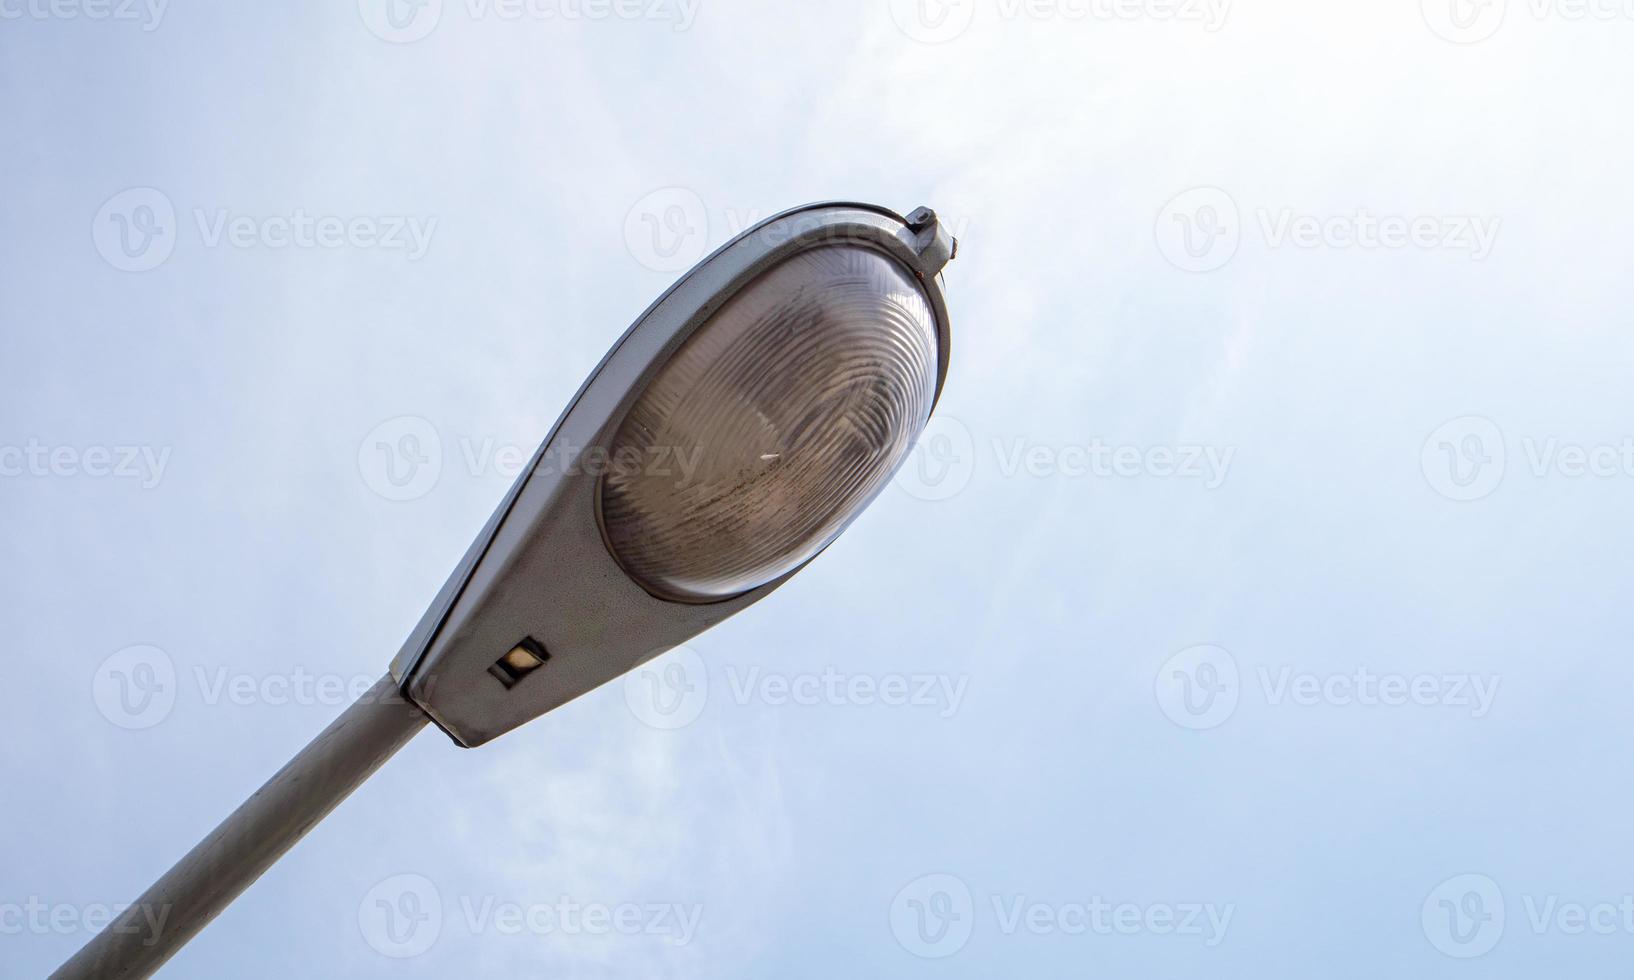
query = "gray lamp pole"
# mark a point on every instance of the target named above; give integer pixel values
(246, 844)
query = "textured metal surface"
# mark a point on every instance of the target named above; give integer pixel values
(772, 427)
(245, 845)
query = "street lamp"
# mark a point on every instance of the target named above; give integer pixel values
(729, 436)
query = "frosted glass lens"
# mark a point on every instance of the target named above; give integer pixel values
(773, 426)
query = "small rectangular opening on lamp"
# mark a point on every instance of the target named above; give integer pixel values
(524, 658)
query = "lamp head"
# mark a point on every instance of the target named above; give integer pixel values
(729, 437)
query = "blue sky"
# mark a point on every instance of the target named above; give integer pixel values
(1255, 605)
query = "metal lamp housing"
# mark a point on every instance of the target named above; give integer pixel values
(539, 611)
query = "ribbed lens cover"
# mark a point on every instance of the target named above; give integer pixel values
(772, 427)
